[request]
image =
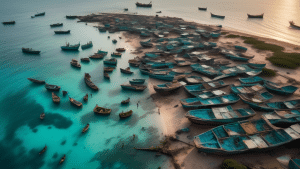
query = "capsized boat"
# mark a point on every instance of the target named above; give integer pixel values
(62, 159)
(56, 25)
(40, 14)
(112, 61)
(44, 149)
(30, 50)
(42, 116)
(52, 87)
(88, 82)
(101, 110)
(88, 45)
(126, 71)
(97, 56)
(75, 102)
(125, 114)
(86, 97)
(144, 5)
(167, 87)
(137, 81)
(70, 47)
(196, 79)
(133, 87)
(281, 90)
(283, 117)
(85, 59)
(250, 80)
(9, 23)
(55, 98)
(294, 25)
(85, 128)
(125, 101)
(256, 16)
(217, 16)
(36, 81)
(197, 89)
(62, 32)
(75, 63)
(219, 115)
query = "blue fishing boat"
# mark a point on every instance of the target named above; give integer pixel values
(247, 88)
(206, 70)
(196, 79)
(133, 87)
(62, 32)
(219, 115)
(240, 48)
(215, 35)
(167, 87)
(275, 88)
(245, 136)
(238, 57)
(258, 97)
(283, 117)
(137, 81)
(146, 44)
(110, 61)
(88, 45)
(213, 93)
(250, 80)
(70, 47)
(102, 52)
(217, 16)
(290, 161)
(256, 66)
(271, 106)
(197, 89)
(102, 29)
(197, 103)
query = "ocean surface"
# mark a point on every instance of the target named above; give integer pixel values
(23, 134)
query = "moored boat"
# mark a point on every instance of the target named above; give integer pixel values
(114, 41)
(256, 16)
(125, 114)
(125, 101)
(62, 159)
(52, 87)
(197, 89)
(294, 25)
(102, 52)
(40, 14)
(88, 45)
(196, 79)
(55, 98)
(97, 56)
(251, 80)
(75, 102)
(283, 117)
(217, 16)
(71, 16)
(202, 9)
(112, 61)
(281, 90)
(108, 69)
(133, 87)
(30, 50)
(9, 23)
(126, 71)
(86, 97)
(137, 81)
(75, 63)
(120, 49)
(85, 128)
(85, 59)
(70, 47)
(44, 149)
(167, 87)
(56, 25)
(101, 110)
(62, 32)
(36, 81)
(64, 93)
(42, 116)
(89, 83)
(144, 5)
(116, 54)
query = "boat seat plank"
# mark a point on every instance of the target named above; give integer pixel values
(226, 115)
(257, 87)
(250, 144)
(292, 133)
(259, 141)
(218, 92)
(249, 128)
(272, 116)
(296, 127)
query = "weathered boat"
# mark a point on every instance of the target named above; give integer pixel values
(245, 136)
(277, 89)
(116, 54)
(120, 49)
(294, 25)
(97, 56)
(56, 25)
(30, 50)
(86, 97)
(133, 87)
(194, 103)
(36, 81)
(212, 93)
(251, 80)
(125, 101)
(162, 76)
(70, 47)
(197, 89)
(75, 102)
(101, 110)
(126, 71)
(108, 69)
(222, 62)
(62, 159)
(40, 14)
(258, 97)
(144, 5)
(112, 61)
(42, 116)
(71, 16)
(75, 63)
(134, 62)
(52, 87)
(125, 114)
(240, 48)
(283, 117)
(114, 41)
(167, 87)
(62, 32)
(219, 115)
(87, 45)
(9, 23)
(256, 16)
(289, 161)
(271, 106)
(106, 76)
(85, 59)
(85, 128)
(137, 81)
(247, 88)
(89, 83)
(196, 79)
(55, 98)
(202, 9)
(217, 16)
(32, 16)
(44, 149)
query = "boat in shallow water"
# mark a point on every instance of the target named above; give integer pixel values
(30, 50)
(36, 81)
(56, 25)
(97, 56)
(106, 76)
(108, 69)
(253, 79)
(120, 49)
(137, 81)
(294, 25)
(217, 16)
(167, 87)
(62, 159)
(256, 16)
(75, 63)
(62, 32)
(271, 106)
(85, 59)
(40, 14)
(202, 9)
(71, 16)
(116, 54)
(44, 149)
(85, 128)
(75, 102)
(125, 114)
(70, 47)
(88, 82)
(144, 5)
(126, 71)
(52, 87)
(55, 98)
(9, 23)
(277, 89)
(133, 87)
(125, 101)
(88, 45)
(101, 110)
(112, 61)
(283, 117)
(86, 97)
(42, 116)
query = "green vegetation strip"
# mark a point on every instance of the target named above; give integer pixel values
(268, 72)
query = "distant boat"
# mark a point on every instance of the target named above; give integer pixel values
(106, 76)
(42, 116)
(137, 81)
(9, 23)
(158, 12)
(30, 50)
(75, 63)
(116, 54)
(75, 102)
(70, 47)
(32, 17)
(110, 61)
(88, 82)
(52, 87)
(196, 79)
(36, 81)
(101, 110)
(125, 101)
(56, 25)
(44, 149)
(125, 9)
(126, 71)
(293, 24)
(120, 49)
(144, 5)
(250, 80)
(62, 159)
(71, 16)
(114, 41)
(88, 45)
(40, 14)
(102, 52)
(85, 128)
(217, 16)
(55, 98)
(85, 59)
(167, 87)
(62, 32)
(281, 90)
(125, 114)
(97, 56)
(256, 16)
(86, 97)
(108, 69)
(202, 9)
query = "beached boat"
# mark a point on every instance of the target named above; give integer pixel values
(146, 44)
(85, 128)
(125, 101)
(134, 62)
(277, 89)
(40, 14)
(116, 54)
(56, 25)
(110, 61)
(144, 5)
(9, 23)
(55, 98)
(162, 76)
(30, 50)
(97, 56)
(89, 83)
(120, 49)
(219, 115)
(245, 136)
(125, 114)
(256, 16)
(197, 89)
(85, 59)
(44, 149)
(114, 41)
(42, 116)
(196, 79)
(289, 161)
(87, 45)
(222, 62)
(75, 63)
(36, 81)
(106, 76)
(271, 106)
(167, 87)
(294, 25)
(202, 9)
(240, 48)
(62, 159)
(238, 57)
(52, 87)
(108, 69)
(137, 81)
(251, 80)
(286, 117)
(126, 71)
(101, 110)
(217, 16)
(75, 102)
(197, 103)
(62, 32)
(258, 97)
(256, 66)
(71, 16)
(133, 87)
(70, 47)
(212, 93)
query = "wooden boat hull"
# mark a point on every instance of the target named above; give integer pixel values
(255, 16)
(9, 23)
(126, 114)
(202, 9)
(62, 32)
(286, 90)
(75, 103)
(217, 16)
(56, 25)
(110, 62)
(132, 87)
(126, 71)
(25, 50)
(52, 87)
(36, 81)
(40, 14)
(143, 5)
(71, 48)
(89, 83)
(105, 112)
(138, 82)
(86, 46)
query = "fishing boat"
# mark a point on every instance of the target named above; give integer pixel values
(256, 16)
(114, 41)
(286, 117)
(146, 44)
(62, 32)
(75, 102)
(289, 161)
(240, 48)
(108, 69)
(125, 101)
(137, 81)
(258, 97)
(202, 9)
(97, 56)
(85, 59)
(110, 61)
(101, 110)
(245, 136)
(75, 63)
(64, 93)
(62, 159)
(102, 52)
(125, 9)
(197, 89)
(40, 14)
(116, 54)
(70, 47)
(30, 50)
(85, 128)
(55, 98)
(219, 115)
(120, 49)
(197, 103)
(212, 93)
(222, 62)
(196, 79)
(106, 76)
(56, 25)
(71, 16)
(251, 80)
(134, 62)
(86, 97)
(42, 116)
(88, 45)
(133, 87)
(294, 25)
(32, 17)
(89, 83)
(277, 89)
(126, 71)
(247, 88)
(36, 81)
(52, 87)
(9, 23)
(162, 76)
(44, 149)
(125, 114)
(217, 16)
(167, 87)
(144, 5)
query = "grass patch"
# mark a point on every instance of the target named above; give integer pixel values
(224, 33)
(232, 36)
(232, 164)
(268, 72)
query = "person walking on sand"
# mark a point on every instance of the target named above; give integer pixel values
(137, 105)
(158, 111)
